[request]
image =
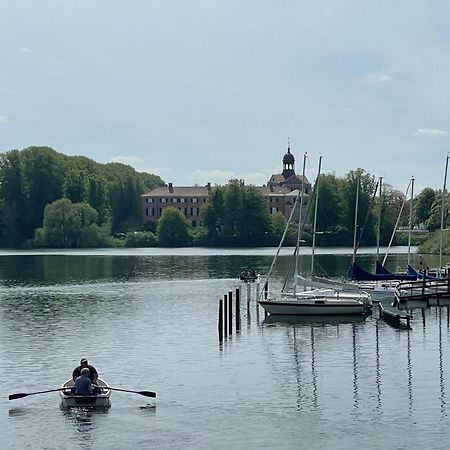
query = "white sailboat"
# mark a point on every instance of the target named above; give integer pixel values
(315, 301)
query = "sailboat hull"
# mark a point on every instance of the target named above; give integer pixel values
(320, 302)
(318, 307)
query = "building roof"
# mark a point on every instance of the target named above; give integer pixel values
(179, 191)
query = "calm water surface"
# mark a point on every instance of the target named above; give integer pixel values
(147, 319)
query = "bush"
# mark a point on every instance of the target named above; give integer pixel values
(140, 239)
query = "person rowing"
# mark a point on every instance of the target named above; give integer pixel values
(93, 374)
(83, 384)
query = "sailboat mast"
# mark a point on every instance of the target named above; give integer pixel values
(379, 218)
(410, 219)
(442, 215)
(315, 216)
(356, 220)
(299, 233)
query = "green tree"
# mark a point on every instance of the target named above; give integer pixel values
(329, 203)
(434, 218)
(392, 201)
(278, 223)
(13, 201)
(423, 204)
(69, 225)
(173, 229)
(365, 219)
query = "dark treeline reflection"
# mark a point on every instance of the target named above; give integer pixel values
(76, 269)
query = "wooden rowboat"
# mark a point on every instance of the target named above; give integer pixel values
(68, 400)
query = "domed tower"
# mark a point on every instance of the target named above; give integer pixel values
(288, 164)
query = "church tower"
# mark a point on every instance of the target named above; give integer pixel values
(288, 164)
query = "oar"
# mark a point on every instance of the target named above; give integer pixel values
(144, 393)
(22, 394)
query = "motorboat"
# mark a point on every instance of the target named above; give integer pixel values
(69, 400)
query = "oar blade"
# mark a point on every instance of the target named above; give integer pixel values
(14, 396)
(147, 393)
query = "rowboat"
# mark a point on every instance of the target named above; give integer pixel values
(68, 400)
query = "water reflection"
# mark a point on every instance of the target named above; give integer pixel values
(303, 333)
(82, 421)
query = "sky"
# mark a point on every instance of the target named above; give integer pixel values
(209, 90)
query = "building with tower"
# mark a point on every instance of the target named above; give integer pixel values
(280, 194)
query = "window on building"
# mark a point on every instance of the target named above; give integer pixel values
(194, 223)
(273, 210)
(146, 211)
(163, 200)
(194, 200)
(182, 200)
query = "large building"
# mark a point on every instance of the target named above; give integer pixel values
(280, 193)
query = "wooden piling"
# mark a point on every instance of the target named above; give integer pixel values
(225, 315)
(238, 311)
(230, 313)
(220, 322)
(266, 294)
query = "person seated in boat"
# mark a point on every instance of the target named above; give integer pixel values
(93, 374)
(83, 383)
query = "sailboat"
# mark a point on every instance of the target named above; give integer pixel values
(383, 282)
(441, 271)
(315, 301)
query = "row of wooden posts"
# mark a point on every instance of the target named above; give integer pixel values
(225, 322)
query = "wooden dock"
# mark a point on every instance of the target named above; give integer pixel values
(432, 292)
(394, 315)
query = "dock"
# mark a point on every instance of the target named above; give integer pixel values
(394, 315)
(431, 292)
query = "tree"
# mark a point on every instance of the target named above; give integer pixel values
(13, 198)
(69, 225)
(173, 229)
(435, 215)
(365, 217)
(329, 203)
(423, 204)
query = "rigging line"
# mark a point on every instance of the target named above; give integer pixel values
(367, 216)
(396, 223)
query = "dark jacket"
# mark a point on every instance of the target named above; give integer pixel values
(92, 372)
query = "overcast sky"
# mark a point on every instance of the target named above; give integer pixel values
(208, 90)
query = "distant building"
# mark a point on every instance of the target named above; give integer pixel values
(280, 193)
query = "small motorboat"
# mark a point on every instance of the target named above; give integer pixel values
(248, 275)
(101, 400)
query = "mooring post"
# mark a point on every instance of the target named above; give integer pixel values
(424, 281)
(230, 312)
(258, 288)
(266, 294)
(220, 322)
(249, 295)
(225, 315)
(238, 311)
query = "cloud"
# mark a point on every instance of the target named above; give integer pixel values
(217, 176)
(377, 78)
(5, 91)
(3, 119)
(25, 49)
(430, 132)
(214, 176)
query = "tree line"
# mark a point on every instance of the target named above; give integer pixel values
(49, 199)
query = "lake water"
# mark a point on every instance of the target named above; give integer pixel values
(147, 319)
